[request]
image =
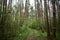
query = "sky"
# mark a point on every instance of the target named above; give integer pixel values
(31, 2)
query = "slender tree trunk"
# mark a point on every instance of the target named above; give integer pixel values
(35, 9)
(58, 11)
(58, 17)
(38, 9)
(26, 8)
(10, 3)
(49, 14)
(21, 12)
(3, 19)
(4, 14)
(20, 9)
(46, 19)
(54, 21)
(41, 15)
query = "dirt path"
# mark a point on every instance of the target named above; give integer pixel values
(31, 36)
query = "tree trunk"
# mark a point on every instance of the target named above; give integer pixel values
(26, 8)
(58, 11)
(54, 21)
(35, 9)
(21, 12)
(38, 10)
(46, 19)
(3, 19)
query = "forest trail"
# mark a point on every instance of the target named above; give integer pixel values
(31, 36)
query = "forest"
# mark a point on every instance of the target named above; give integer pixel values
(29, 19)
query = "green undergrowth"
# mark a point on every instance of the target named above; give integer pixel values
(28, 28)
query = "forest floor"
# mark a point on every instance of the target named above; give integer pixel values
(35, 35)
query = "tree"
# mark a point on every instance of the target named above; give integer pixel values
(3, 19)
(26, 8)
(35, 2)
(46, 19)
(58, 11)
(38, 9)
(10, 6)
(58, 18)
(49, 15)
(54, 21)
(0, 8)
(21, 12)
(10, 3)
(4, 11)
(0, 20)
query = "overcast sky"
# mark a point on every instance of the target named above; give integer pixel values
(31, 2)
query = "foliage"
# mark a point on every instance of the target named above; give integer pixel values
(14, 26)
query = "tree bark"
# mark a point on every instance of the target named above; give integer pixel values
(26, 8)
(35, 9)
(46, 19)
(54, 21)
(3, 19)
